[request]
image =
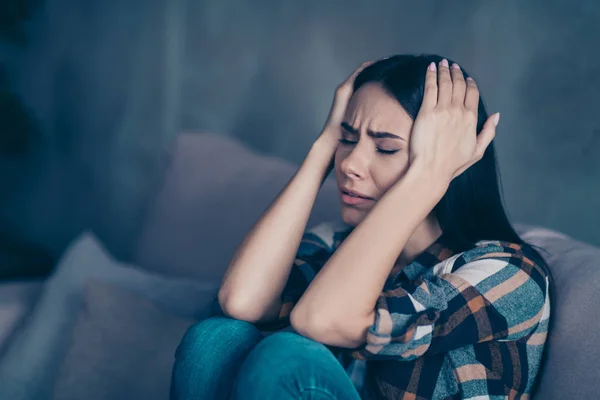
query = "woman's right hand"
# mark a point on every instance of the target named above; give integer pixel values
(332, 130)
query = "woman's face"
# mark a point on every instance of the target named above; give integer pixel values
(376, 131)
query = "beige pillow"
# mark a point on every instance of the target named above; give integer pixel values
(123, 347)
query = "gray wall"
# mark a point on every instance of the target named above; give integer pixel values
(110, 83)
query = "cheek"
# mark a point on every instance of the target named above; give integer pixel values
(386, 175)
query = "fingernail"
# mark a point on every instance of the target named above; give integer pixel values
(455, 66)
(432, 66)
(444, 63)
(496, 119)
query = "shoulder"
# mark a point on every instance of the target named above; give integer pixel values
(511, 260)
(520, 253)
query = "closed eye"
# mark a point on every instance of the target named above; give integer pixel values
(347, 142)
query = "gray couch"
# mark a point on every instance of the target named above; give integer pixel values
(99, 328)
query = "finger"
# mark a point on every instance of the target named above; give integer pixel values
(458, 85)
(357, 71)
(337, 111)
(444, 83)
(338, 108)
(487, 134)
(472, 95)
(431, 89)
(484, 139)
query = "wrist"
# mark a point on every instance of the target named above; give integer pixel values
(322, 150)
(319, 159)
(426, 181)
(325, 143)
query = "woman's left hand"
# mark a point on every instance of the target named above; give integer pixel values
(444, 141)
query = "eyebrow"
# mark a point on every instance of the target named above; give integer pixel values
(374, 135)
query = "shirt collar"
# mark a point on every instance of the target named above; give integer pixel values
(443, 248)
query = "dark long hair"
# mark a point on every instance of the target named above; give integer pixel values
(472, 208)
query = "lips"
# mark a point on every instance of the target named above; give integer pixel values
(354, 200)
(355, 193)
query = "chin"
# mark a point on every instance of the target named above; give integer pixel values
(351, 216)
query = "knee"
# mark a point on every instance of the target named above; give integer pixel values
(212, 334)
(287, 363)
(209, 354)
(287, 350)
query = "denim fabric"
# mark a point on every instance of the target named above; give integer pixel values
(223, 358)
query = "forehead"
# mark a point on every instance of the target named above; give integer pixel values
(371, 107)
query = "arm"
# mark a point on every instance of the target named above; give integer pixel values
(315, 248)
(257, 274)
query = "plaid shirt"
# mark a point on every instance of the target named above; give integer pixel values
(450, 325)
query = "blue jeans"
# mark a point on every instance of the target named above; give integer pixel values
(223, 358)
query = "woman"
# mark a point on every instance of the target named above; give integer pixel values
(426, 284)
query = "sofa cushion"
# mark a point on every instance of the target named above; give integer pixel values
(571, 370)
(123, 348)
(214, 191)
(28, 369)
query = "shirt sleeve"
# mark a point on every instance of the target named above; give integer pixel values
(315, 249)
(498, 294)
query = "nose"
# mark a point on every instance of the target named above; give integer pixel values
(355, 164)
